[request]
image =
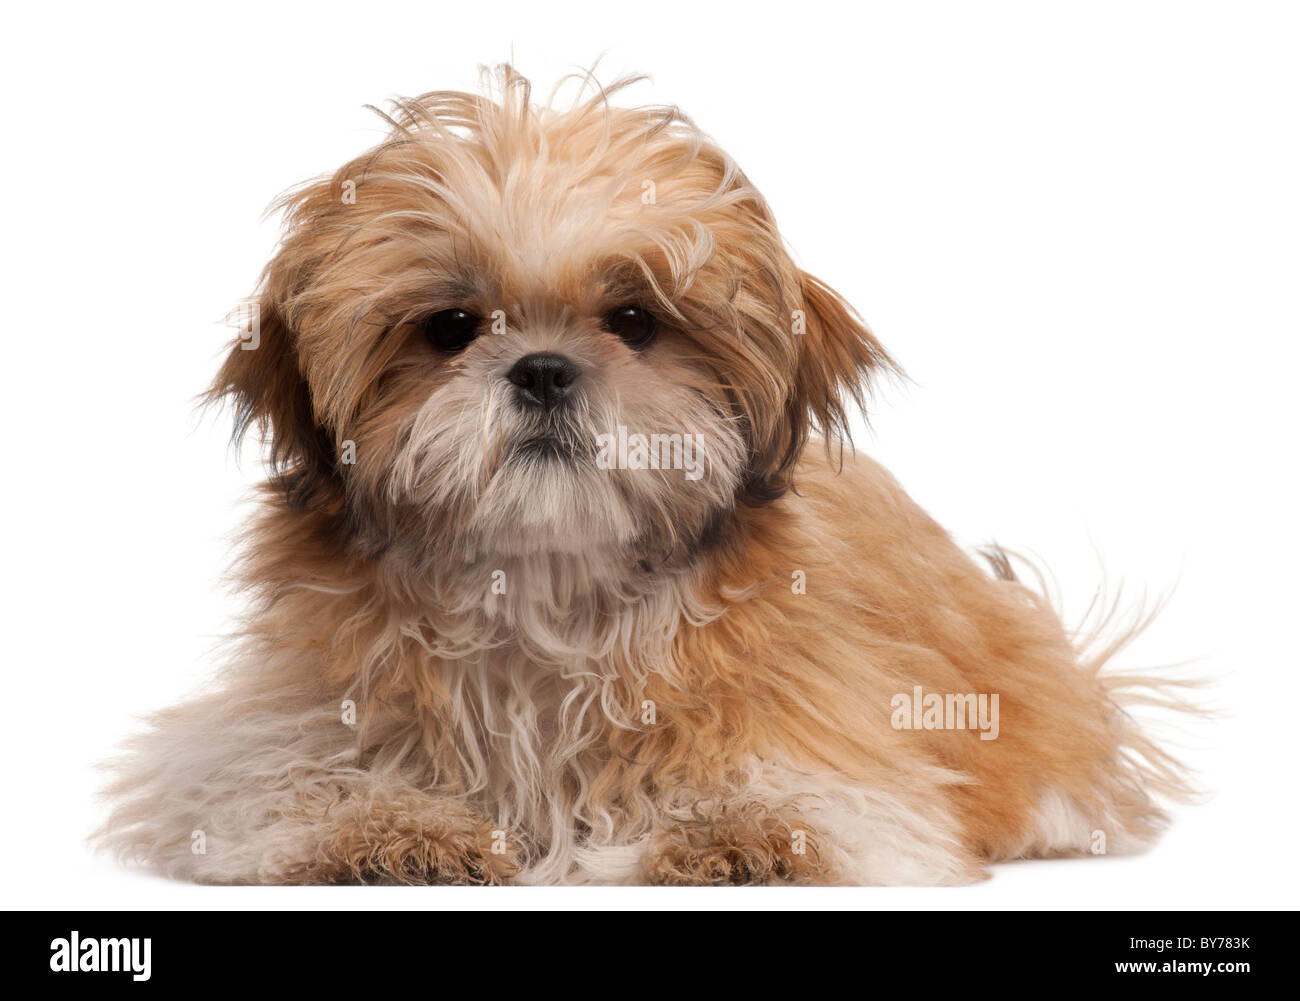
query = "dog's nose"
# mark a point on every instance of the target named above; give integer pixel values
(544, 378)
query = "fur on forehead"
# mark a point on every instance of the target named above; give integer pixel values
(496, 200)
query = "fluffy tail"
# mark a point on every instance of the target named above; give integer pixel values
(1150, 777)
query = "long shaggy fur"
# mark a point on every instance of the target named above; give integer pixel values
(471, 660)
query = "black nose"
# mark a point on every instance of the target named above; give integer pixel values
(544, 379)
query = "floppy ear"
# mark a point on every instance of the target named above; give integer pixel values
(262, 378)
(837, 357)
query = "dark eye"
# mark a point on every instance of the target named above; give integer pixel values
(635, 325)
(451, 329)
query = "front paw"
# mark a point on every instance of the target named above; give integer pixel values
(742, 847)
(443, 844)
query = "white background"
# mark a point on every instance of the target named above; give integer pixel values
(1076, 225)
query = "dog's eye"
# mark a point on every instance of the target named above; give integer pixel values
(451, 329)
(635, 325)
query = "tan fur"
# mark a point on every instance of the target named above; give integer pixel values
(570, 674)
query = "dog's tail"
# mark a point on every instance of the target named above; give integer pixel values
(1109, 625)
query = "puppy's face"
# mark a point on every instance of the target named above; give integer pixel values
(511, 330)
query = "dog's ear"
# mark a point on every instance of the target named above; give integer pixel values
(262, 379)
(837, 359)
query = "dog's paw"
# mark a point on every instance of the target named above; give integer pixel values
(740, 848)
(446, 843)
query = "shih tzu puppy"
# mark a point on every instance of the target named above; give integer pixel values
(565, 572)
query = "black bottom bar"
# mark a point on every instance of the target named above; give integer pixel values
(607, 952)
